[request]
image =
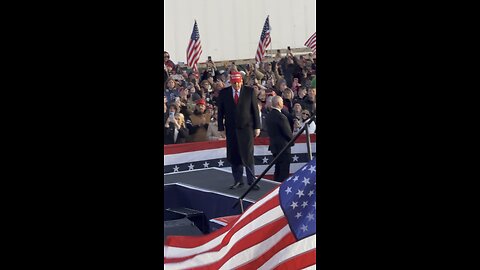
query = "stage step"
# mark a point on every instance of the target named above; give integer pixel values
(196, 216)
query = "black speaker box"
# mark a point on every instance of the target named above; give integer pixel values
(198, 217)
(180, 227)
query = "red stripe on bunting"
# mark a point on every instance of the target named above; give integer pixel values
(197, 146)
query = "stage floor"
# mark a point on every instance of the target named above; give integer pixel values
(218, 181)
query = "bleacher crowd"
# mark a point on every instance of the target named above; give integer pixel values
(190, 97)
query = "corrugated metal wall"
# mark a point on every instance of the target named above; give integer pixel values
(230, 29)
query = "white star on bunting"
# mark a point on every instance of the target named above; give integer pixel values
(288, 190)
(295, 158)
(312, 169)
(310, 216)
(310, 193)
(304, 204)
(175, 169)
(205, 165)
(304, 228)
(190, 167)
(265, 160)
(220, 163)
(298, 215)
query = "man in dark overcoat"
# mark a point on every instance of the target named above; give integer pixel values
(280, 134)
(237, 105)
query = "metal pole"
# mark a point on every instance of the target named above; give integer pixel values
(275, 159)
(241, 205)
(309, 147)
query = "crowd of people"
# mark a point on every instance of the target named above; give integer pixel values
(190, 98)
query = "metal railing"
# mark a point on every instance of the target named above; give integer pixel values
(309, 155)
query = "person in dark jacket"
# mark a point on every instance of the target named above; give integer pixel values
(280, 134)
(310, 100)
(287, 97)
(238, 106)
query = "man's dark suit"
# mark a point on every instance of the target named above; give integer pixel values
(240, 122)
(280, 134)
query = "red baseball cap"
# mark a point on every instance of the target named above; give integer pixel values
(236, 77)
(201, 101)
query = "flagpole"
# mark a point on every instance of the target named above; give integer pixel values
(194, 68)
(268, 16)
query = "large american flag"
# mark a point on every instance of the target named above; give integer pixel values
(312, 43)
(277, 232)
(194, 49)
(264, 41)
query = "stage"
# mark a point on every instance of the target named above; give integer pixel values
(207, 190)
(215, 180)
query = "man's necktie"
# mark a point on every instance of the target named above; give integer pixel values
(236, 97)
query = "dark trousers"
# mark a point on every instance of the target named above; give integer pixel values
(237, 171)
(282, 167)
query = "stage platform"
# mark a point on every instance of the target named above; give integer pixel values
(218, 181)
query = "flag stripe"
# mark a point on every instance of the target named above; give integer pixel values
(183, 255)
(229, 261)
(201, 155)
(311, 38)
(230, 238)
(197, 50)
(194, 49)
(178, 248)
(291, 251)
(189, 51)
(243, 242)
(189, 147)
(312, 42)
(257, 250)
(211, 257)
(195, 55)
(286, 241)
(274, 233)
(264, 41)
(298, 262)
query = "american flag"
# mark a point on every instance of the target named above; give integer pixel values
(194, 49)
(264, 41)
(312, 43)
(277, 232)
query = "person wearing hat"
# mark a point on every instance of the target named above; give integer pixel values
(237, 106)
(198, 122)
(167, 64)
